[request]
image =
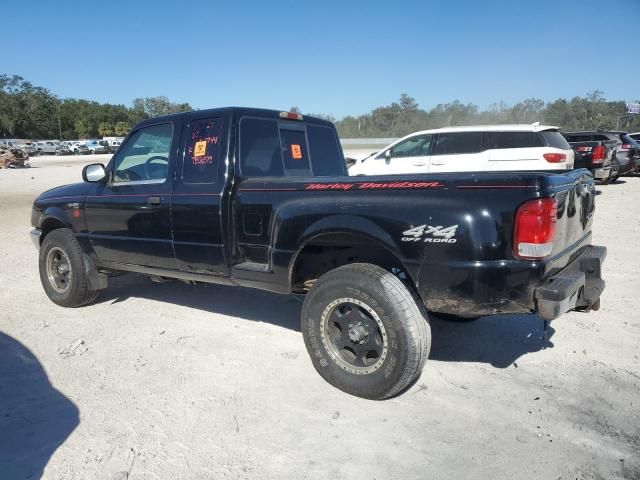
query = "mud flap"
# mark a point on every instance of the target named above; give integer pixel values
(97, 280)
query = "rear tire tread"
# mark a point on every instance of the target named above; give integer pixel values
(414, 318)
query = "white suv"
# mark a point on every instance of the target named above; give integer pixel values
(472, 149)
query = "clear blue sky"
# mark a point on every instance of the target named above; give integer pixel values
(325, 56)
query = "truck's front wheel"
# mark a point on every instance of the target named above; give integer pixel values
(364, 331)
(63, 271)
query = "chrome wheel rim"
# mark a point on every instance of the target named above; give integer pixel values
(59, 270)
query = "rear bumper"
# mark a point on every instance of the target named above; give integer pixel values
(603, 173)
(579, 284)
(626, 165)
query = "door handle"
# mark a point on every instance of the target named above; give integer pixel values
(419, 164)
(153, 201)
(438, 162)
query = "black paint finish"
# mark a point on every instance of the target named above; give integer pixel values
(251, 232)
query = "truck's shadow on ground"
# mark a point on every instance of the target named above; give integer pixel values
(498, 340)
(35, 418)
(247, 303)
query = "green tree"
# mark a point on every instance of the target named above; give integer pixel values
(150, 107)
(29, 111)
(7, 125)
(81, 128)
(105, 129)
(121, 129)
(528, 111)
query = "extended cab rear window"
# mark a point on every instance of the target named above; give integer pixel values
(325, 148)
(271, 148)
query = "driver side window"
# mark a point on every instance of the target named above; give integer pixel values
(144, 158)
(412, 147)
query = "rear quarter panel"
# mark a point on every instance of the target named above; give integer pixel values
(453, 234)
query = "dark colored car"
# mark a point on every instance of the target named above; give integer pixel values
(80, 149)
(627, 153)
(630, 146)
(597, 156)
(260, 198)
(111, 146)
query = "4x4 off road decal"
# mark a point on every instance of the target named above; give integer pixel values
(431, 234)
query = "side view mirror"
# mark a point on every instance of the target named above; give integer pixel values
(387, 156)
(94, 173)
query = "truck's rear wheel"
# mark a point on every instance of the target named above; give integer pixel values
(63, 271)
(364, 331)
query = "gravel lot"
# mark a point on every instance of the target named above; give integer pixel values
(167, 381)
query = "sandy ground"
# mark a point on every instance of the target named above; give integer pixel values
(168, 381)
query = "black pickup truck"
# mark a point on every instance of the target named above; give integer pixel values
(596, 155)
(261, 198)
(626, 152)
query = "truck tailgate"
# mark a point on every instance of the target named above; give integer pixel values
(575, 196)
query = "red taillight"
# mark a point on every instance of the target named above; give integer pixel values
(535, 228)
(626, 146)
(597, 154)
(555, 157)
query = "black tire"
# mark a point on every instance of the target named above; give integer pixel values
(358, 307)
(61, 252)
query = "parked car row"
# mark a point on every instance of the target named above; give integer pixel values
(59, 147)
(112, 144)
(611, 153)
(532, 147)
(86, 147)
(25, 145)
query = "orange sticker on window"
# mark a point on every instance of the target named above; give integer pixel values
(296, 151)
(200, 148)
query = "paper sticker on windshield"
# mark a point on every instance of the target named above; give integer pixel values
(296, 151)
(200, 148)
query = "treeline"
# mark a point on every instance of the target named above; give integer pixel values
(405, 116)
(28, 111)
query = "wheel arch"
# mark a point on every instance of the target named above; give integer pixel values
(52, 220)
(325, 248)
